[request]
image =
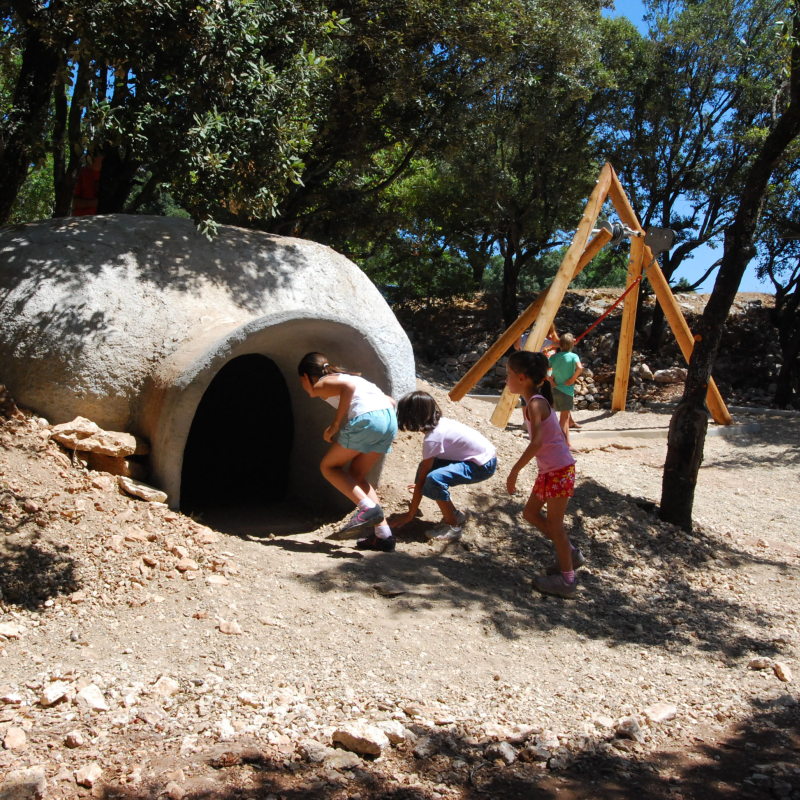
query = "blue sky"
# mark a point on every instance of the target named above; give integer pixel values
(704, 256)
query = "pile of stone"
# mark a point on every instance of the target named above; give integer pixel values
(595, 386)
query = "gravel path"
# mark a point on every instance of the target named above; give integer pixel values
(274, 640)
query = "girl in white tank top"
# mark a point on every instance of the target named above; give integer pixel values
(361, 433)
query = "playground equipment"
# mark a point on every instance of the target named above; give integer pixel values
(645, 249)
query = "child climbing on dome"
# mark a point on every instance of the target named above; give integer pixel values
(364, 428)
(526, 374)
(453, 454)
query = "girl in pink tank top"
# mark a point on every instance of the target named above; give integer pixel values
(526, 374)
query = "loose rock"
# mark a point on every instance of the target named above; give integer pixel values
(15, 739)
(361, 737)
(89, 775)
(782, 671)
(141, 490)
(24, 784)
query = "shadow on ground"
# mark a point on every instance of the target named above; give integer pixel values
(754, 758)
(643, 583)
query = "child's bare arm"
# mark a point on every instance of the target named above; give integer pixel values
(416, 498)
(575, 375)
(333, 385)
(532, 449)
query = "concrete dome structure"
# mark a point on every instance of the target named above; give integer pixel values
(143, 325)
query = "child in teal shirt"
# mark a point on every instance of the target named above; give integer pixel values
(565, 368)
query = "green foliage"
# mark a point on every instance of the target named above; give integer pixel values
(35, 198)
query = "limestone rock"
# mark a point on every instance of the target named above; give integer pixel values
(166, 687)
(54, 693)
(89, 775)
(10, 630)
(141, 490)
(361, 737)
(389, 588)
(83, 434)
(15, 739)
(661, 712)
(395, 731)
(782, 671)
(249, 699)
(74, 739)
(645, 372)
(93, 697)
(115, 466)
(426, 747)
(502, 750)
(174, 791)
(9, 698)
(760, 662)
(231, 628)
(629, 728)
(534, 753)
(24, 784)
(217, 580)
(342, 760)
(671, 375)
(187, 565)
(603, 721)
(105, 483)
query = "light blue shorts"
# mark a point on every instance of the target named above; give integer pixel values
(372, 432)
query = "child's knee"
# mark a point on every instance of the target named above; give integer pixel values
(529, 515)
(435, 490)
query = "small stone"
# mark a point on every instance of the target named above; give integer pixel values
(231, 627)
(342, 760)
(426, 748)
(395, 731)
(166, 687)
(93, 697)
(602, 721)
(54, 693)
(361, 737)
(89, 775)
(217, 580)
(141, 490)
(206, 537)
(187, 565)
(10, 698)
(249, 699)
(629, 728)
(535, 753)
(10, 630)
(15, 739)
(389, 588)
(24, 784)
(180, 551)
(661, 712)
(74, 739)
(782, 671)
(105, 483)
(561, 759)
(173, 791)
(502, 750)
(64, 774)
(760, 662)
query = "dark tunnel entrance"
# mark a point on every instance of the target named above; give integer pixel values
(237, 454)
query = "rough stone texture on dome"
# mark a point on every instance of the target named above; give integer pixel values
(125, 320)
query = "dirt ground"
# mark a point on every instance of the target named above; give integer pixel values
(274, 640)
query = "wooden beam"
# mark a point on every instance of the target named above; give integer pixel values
(555, 296)
(519, 326)
(677, 323)
(628, 327)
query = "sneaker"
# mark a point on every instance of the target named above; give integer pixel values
(367, 518)
(444, 533)
(375, 542)
(578, 560)
(555, 584)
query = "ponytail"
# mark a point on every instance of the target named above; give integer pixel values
(316, 366)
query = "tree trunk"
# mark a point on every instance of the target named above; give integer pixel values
(689, 423)
(65, 182)
(508, 300)
(790, 351)
(116, 181)
(27, 122)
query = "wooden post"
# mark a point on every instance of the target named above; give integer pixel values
(558, 287)
(628, 327)
(677, 323)
(518, 327)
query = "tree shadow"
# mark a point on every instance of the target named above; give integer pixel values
(752, 758)
(646, 582)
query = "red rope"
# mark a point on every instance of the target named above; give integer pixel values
(608, 310)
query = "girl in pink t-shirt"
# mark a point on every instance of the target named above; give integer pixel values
(453, 454)
(526, 374)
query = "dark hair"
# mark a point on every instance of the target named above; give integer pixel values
(418, 411)
(534, 366)
(316, 366)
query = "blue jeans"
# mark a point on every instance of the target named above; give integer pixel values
(445, 474)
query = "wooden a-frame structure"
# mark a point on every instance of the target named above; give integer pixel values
(542, 312)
